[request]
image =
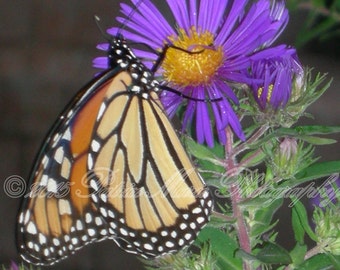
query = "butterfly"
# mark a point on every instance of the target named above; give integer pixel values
(112, 167)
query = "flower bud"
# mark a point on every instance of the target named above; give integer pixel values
(327, 229)
(286, 158)
(299, 86)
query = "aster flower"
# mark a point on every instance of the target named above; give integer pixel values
(329, 193)
(272, 72)
(225, 33)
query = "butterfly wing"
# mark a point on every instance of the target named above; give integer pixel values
(142, 179)
(57, 216)
(114, 167)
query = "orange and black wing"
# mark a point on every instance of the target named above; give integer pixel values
(57, 216)
(142, 179)
(112, 167)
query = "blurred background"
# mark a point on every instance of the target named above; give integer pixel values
(46, 50)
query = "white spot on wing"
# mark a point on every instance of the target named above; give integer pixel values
(55, 140)
(46, 252)
(91, 232)
(98, 221)
(64, 207)
(123, 232)
(169, 244)
(88, 218)
(43, 181)
(197, 210)
(137, 244)
(79, 225)
(21, 217)
(67, 135)
(74, 241)
(52, 186)
(148, 247)
(200, 220)
(59, 155)
(101, 111)
(187, 236)
(95, 146)
(31, 228)
(90, 162)
(27, 216)
(36, 248)
(183, 226)
(42, 239)
(94, 185)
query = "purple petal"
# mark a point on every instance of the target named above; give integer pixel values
(180, 12)
(229, 23)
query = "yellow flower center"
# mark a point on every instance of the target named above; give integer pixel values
(196, 65)
(269, 94)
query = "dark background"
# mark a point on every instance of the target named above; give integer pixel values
(46, 49)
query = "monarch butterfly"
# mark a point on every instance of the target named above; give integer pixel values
(112, 167)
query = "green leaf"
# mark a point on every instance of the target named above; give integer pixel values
(318, 262)
(317, 140)
(207, 158)
(298, 253)
(316, 130)
(299, 232)
(305, 132)
(274, 254)
(223, 246)
(335, 260)
(257, 159)
(315, 171)
(300, 222)
(300, 132)
(198, 150)
(263, 217)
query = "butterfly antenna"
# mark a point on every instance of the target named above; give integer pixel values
(104, 34)
(123, 24)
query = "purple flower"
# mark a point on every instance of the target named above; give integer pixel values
(272, 72)
(329, 192)
(14, 266)
(223, 34)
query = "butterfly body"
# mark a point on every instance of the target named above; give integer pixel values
(112, 167)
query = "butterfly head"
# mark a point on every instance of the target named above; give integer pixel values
(119, 54)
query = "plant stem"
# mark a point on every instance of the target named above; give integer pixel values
(310, 253)
(232, 169)
(242, 229)
(244, 146)
(222, 216)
